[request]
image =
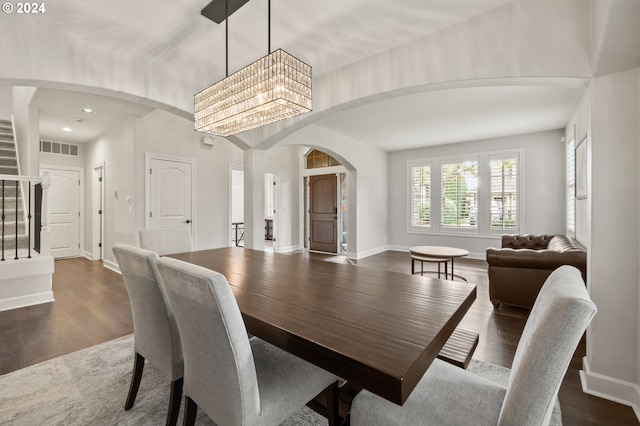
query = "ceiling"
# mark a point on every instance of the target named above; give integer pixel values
(328, 37)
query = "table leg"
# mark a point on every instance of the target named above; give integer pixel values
(453, 277)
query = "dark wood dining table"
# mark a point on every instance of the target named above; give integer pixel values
(379, 329)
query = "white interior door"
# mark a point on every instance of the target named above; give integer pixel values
(64, 212)
(170, 193)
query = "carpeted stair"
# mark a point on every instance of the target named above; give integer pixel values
(9, 166)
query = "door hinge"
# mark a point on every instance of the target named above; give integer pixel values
(150, 214)
(99, 211)
(78, 214)
(150, 171)
(100, 245)
(78, 245)
(274, 239)
(78, 181)
(274, 183)
(99, 179)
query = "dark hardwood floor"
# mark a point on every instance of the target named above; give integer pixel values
(92, 307)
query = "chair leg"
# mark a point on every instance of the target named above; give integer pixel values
(174, 402)
(333, 405)
(136, 376)
(190, 410)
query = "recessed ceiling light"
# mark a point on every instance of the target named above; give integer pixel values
(79, 120)
(66, 129)
(88, 110)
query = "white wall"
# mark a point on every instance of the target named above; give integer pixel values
(27, 129)
(166, 134)
(581, 121)
(283, 161)
(65, 160)
(532, 39)
(116, 149)
(613, 358)
(542, 189)
(5, 102)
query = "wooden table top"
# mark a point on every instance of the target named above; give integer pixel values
(380, 330)
(440, 252)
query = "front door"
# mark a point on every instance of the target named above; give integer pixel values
(170, 186)
(323, 213)
(64, 212)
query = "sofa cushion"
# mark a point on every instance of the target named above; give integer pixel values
(562, 243)
(527, 241)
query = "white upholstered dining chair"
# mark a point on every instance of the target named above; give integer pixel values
(448, 395)
(156, 337)
(234, 379)
(166, 240)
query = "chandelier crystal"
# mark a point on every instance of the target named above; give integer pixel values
(274, 87)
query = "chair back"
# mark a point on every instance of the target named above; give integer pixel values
(220, 375)
(166, 240)
(560, 315)
(155, 330)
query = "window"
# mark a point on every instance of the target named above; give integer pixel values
(504, 194)
(420, 195)
(270, 187)
(571, 188)
(459, 189)
(472, 194)
(317, 159)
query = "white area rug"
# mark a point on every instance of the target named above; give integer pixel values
(89, 387)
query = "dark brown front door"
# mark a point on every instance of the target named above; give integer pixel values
(323, 213)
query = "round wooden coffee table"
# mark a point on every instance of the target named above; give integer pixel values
(438, 254)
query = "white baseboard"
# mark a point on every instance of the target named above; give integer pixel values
(362, 254)
(289, 249)
(88, 255)
(111, 265)
(610, 388)
(28, 300)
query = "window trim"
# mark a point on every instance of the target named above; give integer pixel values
(570, 196)
(483, 230)
(458, 229)
(507, 156)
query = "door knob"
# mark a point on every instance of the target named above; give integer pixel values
(187, 221)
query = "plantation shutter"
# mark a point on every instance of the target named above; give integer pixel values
(571, 188)
(504, 194)
(459, 207)
(420, 181)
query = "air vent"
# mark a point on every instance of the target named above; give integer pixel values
(59, 148)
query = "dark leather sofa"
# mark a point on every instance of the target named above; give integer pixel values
(518, 270)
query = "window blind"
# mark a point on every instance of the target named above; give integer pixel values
(571, 188)
(420, 178)
(459, 206)
(504, 194)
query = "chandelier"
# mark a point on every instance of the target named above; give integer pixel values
(275, 87)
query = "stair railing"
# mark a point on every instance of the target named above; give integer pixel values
(37, 208)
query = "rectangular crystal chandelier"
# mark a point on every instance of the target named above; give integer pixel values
(273, 88)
